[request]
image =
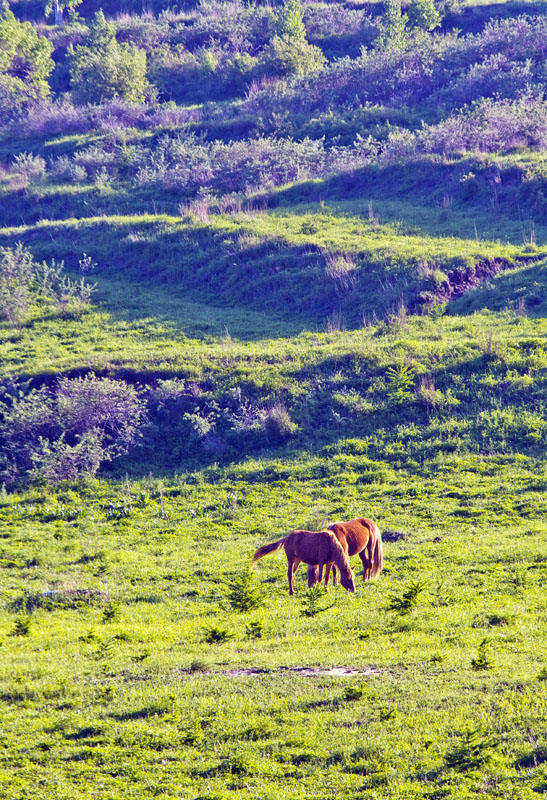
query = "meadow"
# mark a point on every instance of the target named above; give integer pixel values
(139, 655)
(278, 288)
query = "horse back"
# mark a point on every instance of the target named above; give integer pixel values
(356, 533)
(312, 547)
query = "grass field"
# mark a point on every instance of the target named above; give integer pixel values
(127, 671)
(305, 343)
(128, 668)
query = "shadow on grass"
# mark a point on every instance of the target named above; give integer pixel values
(234, 267)
(142, 713)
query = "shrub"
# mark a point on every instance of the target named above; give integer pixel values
(482, 660)
(25, 283)
(21, 627)
(286, 57)
(354, 692)
(277, 424)
(61, 116)
(289, 52)
(401, 380)
(473, 749)
(194, 734)
(25, 65)
(17, 271)
(393, 28)
(55, 461)
(423, 15)
(409, 599)
(111, 613)
(255, 629)
(66, 432)
(312, 602)
(28, 167)
(103, 69)
(243, 593)
(187, 163)
(217, 634)
(491, 125)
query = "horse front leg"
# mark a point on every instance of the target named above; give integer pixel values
(312, 575)
(319, 572)
(328, 568)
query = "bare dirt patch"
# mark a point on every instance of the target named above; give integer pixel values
(306, 672)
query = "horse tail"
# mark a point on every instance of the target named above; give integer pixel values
(377, 555)
(266, 549)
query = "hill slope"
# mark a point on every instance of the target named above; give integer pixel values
(283, 300)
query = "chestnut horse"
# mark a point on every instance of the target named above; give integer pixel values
(358, 536)
(315, 548)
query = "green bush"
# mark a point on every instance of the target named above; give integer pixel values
(285, 57)
(217, 634)
(103, 69)
(423, 15)
(26, 284)
(25, 65)
(68, 432)
(473, 748)
(289, 52)
(409, 599)
(243, 593)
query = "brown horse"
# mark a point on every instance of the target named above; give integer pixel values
(315, 548)
(358, 536)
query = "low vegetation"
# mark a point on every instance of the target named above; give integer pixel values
(263, 268)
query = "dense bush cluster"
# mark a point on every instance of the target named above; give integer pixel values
(50, 117)
(187, 163)
(449, 70)
(227, 49)
(67, 431)
(489, 126)
(103, 69)
(25, 65)
(306, 110)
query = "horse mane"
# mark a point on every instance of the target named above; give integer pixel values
(339, 555)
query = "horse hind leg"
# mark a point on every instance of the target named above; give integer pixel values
(367, 564)
(327, 575)
(291, 572)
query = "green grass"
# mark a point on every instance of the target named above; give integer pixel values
(143, 702)
(111, 587)
(306, 265)
(127, 669)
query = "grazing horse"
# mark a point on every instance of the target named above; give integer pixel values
(358, 536)
(315, 548)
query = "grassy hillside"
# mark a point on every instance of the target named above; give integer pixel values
(255, 302)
